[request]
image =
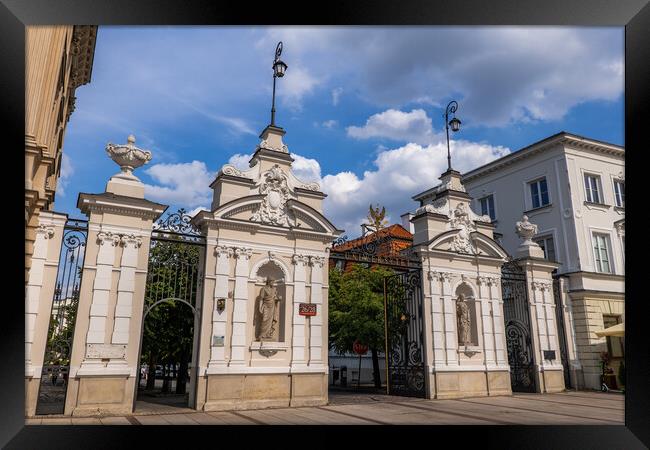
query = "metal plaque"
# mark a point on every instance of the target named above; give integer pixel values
(549, 355)
(307, 309)
(105, 351)
(218, 341)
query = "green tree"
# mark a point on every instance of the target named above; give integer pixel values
(356, 311)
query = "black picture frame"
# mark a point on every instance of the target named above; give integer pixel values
(633, 14)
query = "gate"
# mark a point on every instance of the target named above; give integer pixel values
(518, 331)
(174, 281)
(561, 331)
(58, 348)
(404, 328)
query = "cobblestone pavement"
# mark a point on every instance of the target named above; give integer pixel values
(350, 408)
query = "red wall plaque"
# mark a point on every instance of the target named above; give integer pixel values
(307, 309)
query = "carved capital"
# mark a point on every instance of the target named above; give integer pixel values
(480, 280)
(104, 237)
(300, 259)
(440, 276)
(541, 285)
(243, 253)
(47, 231)
(316, 261)
(222, 250)
(131, 239)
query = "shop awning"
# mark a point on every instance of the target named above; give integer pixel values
(616, 330)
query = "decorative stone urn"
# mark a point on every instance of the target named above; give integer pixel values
(128, 157)
(526, 231)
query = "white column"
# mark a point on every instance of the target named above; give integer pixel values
(437, 320)
(498, 321)
(240, 302)
(33, 291)
(219, 318)
(316, 322)
(548, 301)
(449, 314)
(486, 318)
(537, 308)
(126, 288)
(299, 296)
(102, 287)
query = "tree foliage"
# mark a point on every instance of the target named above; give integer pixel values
(356, 307)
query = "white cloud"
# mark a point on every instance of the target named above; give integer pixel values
(494, 72)
(66, 172)
(336, 95)
(293, 88)
(330, 123)
(196, 210)
(184, 184)
(398, 174)
(414, 126)
(240, 161)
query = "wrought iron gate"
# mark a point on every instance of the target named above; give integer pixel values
(174, 278)
(518, 332)
(404, 324)
(561, 331)
(58, 348)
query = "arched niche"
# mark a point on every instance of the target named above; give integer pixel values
(464, 293)
(269, 315)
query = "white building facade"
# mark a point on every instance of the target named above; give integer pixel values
(573, 188)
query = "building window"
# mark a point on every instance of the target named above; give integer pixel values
(601, 253)
(547, 244)
(539, 193)
(619, 193)
(592, 187)
(487, 207)
(340, 264)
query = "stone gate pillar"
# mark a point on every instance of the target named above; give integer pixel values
(541, 302)
(104, 365)
(38, 299)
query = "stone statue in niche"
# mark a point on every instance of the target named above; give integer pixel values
(464, 321)
(268, 312)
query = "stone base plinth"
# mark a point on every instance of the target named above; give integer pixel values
(102, 395)
(447, 385)
(31, 395)
(256, 391)
(553, 380)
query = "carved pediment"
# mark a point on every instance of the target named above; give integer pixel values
(471, 243)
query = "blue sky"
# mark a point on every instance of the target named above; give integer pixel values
(362, 106)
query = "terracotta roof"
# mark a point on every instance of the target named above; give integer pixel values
(394, 231)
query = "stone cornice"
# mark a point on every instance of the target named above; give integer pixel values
(82, 50)
(119, 204)
(562, 138)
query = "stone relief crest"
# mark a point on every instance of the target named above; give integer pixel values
(272, 210)
(461, 220)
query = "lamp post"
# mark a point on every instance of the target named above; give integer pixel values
(455, 126)
(279, 67)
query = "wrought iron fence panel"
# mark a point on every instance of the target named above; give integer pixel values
(561, 331)
(517, 327)
(403, 315)
(56, 361)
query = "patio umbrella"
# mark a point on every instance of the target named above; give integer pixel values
(616, 330)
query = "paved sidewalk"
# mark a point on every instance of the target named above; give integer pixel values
(346, 408)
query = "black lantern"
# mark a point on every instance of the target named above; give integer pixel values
(279, 67)
(454, 124)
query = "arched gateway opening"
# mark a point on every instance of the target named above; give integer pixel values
(170, 316)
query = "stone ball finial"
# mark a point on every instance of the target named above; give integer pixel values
(128, 157)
